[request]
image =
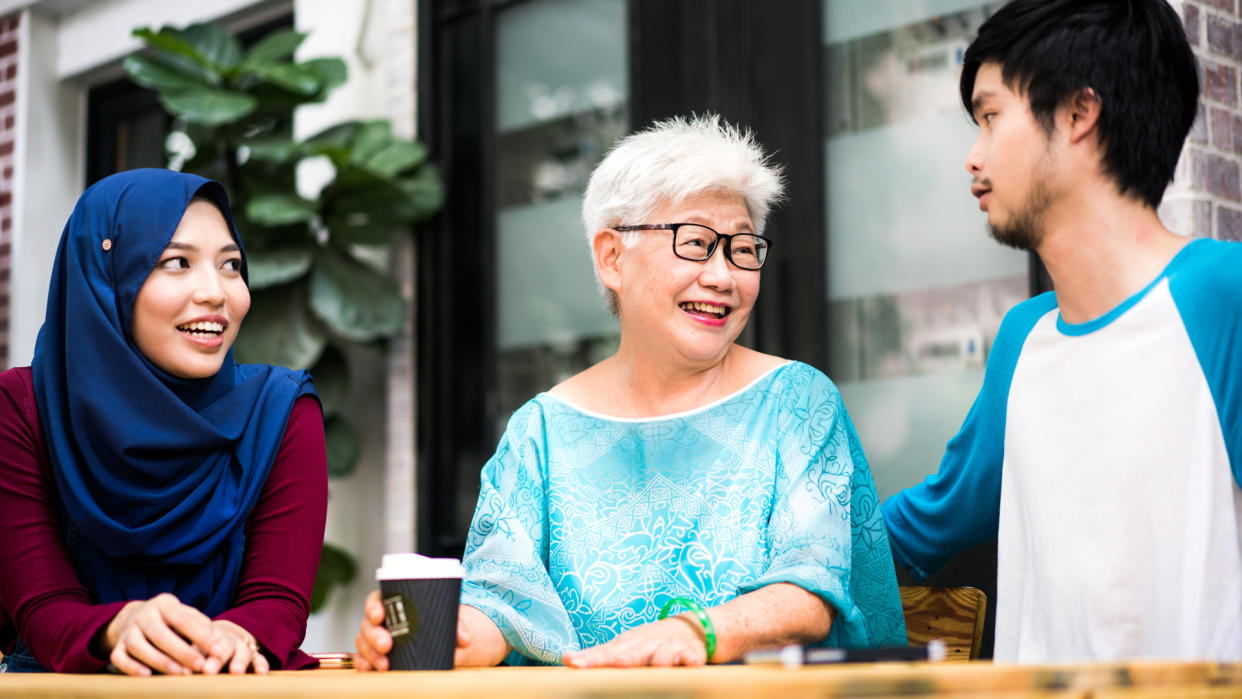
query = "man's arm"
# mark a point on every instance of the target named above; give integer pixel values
(959, 506)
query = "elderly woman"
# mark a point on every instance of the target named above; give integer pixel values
(684, 473)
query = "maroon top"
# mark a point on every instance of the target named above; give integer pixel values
(39, 588)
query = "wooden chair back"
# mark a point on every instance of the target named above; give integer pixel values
(952, 614)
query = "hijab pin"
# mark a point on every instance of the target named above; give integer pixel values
(106, 244)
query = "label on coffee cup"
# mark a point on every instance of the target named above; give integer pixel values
(400, 618)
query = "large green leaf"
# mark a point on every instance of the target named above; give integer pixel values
(299, 79)
(174, 49)
(219, 47)
(343, 446)
(335, 142)
(396, 157)
(280, 330)
(354, 300)
(279, 150)
(280, 209)
(371, 139)
(159, 75)
(331, 375)
(336, 567)
(210, 107)
(360, 229)
(378, 198)
(272, 267)
(277, 46)
(426, 191)
(332, 72)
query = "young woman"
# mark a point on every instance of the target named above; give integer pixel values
(163, 507)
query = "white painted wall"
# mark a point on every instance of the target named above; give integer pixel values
(48, 166)
(372, 511)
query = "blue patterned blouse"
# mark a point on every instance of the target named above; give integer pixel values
(586, 524)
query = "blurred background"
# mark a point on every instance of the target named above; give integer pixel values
(882, 273)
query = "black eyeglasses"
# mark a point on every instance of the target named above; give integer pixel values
(696, 242)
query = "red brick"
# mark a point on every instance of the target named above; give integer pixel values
(1228, 223)
(1215, 174)
(8, 122)
(5, 249)
(8, 173)
(1223, 36)
(1190, 20)
(1220, 83)
(6, 98)
(6, 148)
(1222, 4)
(10, 72)
(6, 223)
(1221, 123)
(8, 48)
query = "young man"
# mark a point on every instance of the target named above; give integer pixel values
(1104, 452)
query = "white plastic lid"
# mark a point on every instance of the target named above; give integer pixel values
(411, 566)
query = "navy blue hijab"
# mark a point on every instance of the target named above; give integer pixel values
(157, 475)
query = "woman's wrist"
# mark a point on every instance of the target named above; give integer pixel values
(105, 639)
(695, 615)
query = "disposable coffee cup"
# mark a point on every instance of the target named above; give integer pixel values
(420, 596)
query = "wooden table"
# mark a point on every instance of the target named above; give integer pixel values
(977, 679)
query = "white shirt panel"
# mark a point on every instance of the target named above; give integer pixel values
(1120, 531)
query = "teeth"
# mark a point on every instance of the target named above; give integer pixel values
(202, 327)
(704, 308)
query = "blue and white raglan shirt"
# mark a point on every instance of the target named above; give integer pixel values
(1105, 458)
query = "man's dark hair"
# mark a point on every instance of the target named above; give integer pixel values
(1132, 53)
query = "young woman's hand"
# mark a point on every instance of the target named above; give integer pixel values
(157, 635)
(236, 648)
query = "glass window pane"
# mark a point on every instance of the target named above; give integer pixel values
(917, 288)
(561, 77)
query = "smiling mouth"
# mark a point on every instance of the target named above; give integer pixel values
(705, 309)
(202, 330)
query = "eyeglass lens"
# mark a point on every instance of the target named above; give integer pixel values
(699, 242)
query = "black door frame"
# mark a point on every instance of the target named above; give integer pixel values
(716, 68)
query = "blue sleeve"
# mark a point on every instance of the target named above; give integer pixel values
(1207, 289)
(958, 506)
(825, 533)
(506, 549)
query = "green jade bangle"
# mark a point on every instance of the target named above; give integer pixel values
(709, 630)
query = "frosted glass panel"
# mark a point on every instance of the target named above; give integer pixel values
(561, 86)
(901, 214)
(557, 57)
(904, 423)
(916, 288)
(546, 284)
(848, 19)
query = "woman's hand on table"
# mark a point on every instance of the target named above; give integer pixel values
(673, 641)
(164, 635)
(236, 649)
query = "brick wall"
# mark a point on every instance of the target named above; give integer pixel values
(8, 93)
(1206, 196)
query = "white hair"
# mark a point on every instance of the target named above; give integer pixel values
(670, 162)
